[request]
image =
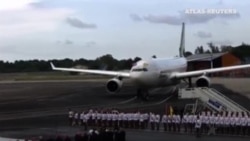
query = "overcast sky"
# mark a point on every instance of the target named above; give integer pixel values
(56, 29)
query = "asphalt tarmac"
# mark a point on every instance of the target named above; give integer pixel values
(40, 108)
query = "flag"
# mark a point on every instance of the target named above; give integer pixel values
(171, 110)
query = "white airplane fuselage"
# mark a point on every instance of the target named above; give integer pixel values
(155, 72)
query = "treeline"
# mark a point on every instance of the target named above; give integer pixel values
(242, 51)
(106, 62)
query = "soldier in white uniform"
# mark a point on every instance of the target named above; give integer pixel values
(130, 118)
(191, 122)
(201, 116)
(174, 122)
(211, 124)
(116, 116)
(85, 121)
(206, 123)
(104, 119)
(169, 122)
(109, 119)
(244, 124)
(71, 117)
(146, 118)
(99, 117)
(164, 122)
(248, 124)
(157, 121)
(94, 118)
(81, 118)
(125, 120)
(152, 121)
(76, 118)
(141, 121)
(178, 122)
(184, 122)
(237, 123)
(120, 123)
(90, 121)
(136, 120)
(216, 122)
(227, 123)
(232, 123)
(222, 125)
(198, 125)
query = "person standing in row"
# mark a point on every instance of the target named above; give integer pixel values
(164, 122)
(157, 121)
(185, 122)
(152, 121)
(71, 117)
(198, 125)
(141, 121)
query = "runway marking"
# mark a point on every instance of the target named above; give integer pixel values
(164, 100)
(127, 101)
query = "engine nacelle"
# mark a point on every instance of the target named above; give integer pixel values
(114, 85)
(203, 81)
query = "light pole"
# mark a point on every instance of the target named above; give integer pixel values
(211, 62)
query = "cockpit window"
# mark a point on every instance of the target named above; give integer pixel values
(140, 69)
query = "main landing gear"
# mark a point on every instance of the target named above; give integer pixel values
(142, 94)
(189, 82)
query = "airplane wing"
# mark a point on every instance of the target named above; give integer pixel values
(99, 72)
(179, 75)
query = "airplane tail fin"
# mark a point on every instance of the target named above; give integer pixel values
(182, 44)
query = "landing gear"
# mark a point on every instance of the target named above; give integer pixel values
(142, 94)
(190, 82)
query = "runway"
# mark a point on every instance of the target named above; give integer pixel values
(29, 109)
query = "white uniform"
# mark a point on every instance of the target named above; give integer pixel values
(152, 118)
(221, 121)
(103, 116)
(216, 120)
(164, 119)
(98, 116)
(248, 121)
(237, 121)
(178, 122)
(157, 121)
(152, 121)
(71, 117)
(184, 119)
(76, 116)
(227, 121)
(82, 117)
(86, 118)
(141, 117)
(232, 121)
(206, 120)
(198, 126)
(198, 123)
(71, 114)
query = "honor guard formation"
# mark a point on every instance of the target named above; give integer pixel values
(206, 122)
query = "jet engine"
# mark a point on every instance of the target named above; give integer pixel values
(114, 85)
(203, 81)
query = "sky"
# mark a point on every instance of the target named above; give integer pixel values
(58, 29)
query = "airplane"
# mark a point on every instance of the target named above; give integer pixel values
(156, 72)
